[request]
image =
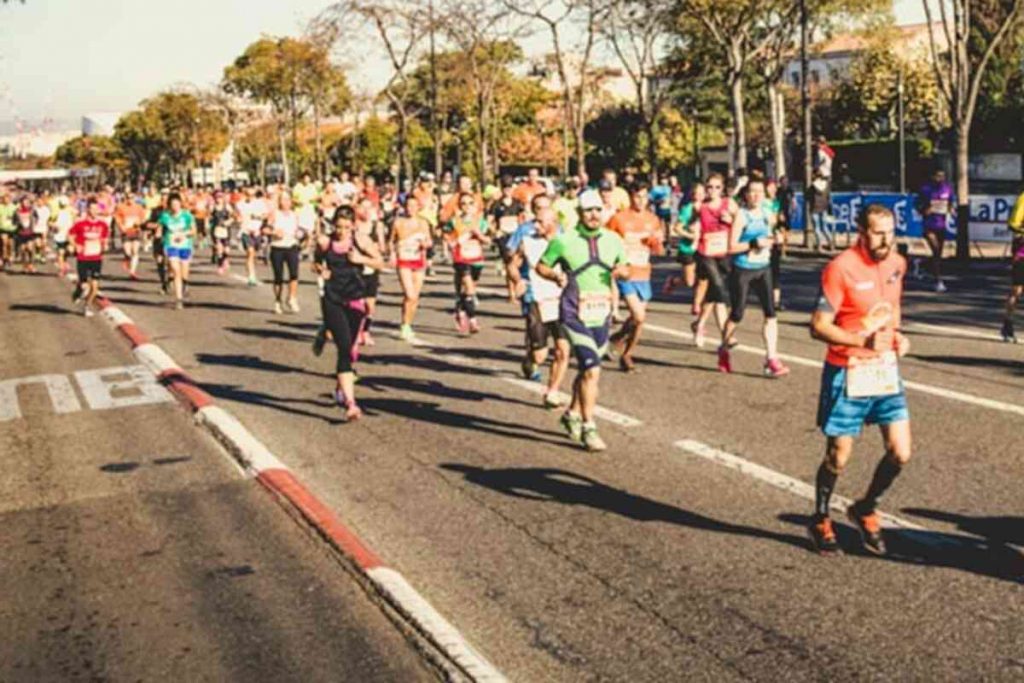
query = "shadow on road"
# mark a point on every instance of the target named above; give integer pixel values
(934, 549)
(570, 488)
(41, 308)
(232, 392)
(255, 363)
(1004, 530)
(974, 362)
(263, 333)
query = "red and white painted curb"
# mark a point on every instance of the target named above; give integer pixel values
(257, 461)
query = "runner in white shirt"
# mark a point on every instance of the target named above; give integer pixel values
(282, 229)
(252, 213)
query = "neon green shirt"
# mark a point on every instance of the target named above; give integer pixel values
(572, 250)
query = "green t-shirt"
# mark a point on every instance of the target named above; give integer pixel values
(7, 217)
(572, 250)
(685, 218)
(177, 229)
(565, 209)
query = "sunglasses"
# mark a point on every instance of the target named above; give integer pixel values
(714, 187)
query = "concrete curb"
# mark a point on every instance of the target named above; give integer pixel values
(260, 463)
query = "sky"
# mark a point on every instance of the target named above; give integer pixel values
(60, 59)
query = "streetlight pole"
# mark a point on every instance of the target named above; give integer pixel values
(805, 105)
(902, 131)
(435, 124)
(696, 146)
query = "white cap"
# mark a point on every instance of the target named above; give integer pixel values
(590, 200)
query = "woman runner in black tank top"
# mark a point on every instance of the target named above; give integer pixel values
(341, 257)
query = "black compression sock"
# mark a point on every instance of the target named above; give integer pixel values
(366, 324)
(885, 474)
(161, 271)
(469, 306)
(824, 485)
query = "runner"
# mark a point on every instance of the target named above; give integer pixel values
(751, 243)
(935, 202)
(506, 214)
(368, 225)
(282, 229)
(25, 235)
(42, 227)
(779, 197)
(410, 239)
(341, 257)
(89, 238)
(541, 300)
(178, 228)
(1016, 225)
(155, 230)
(221, 218)
(566, 203)
(858, 316)
(7, 210)
(686, 250)
(641, 232)
(466, 234)
(590, 256)
(129, 216)
(62, 222)
(525, 191)
(711, 226)
(252, 212)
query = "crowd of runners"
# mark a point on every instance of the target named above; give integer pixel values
(576, 260)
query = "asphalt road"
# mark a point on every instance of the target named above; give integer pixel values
(680, 553)
(133, 549)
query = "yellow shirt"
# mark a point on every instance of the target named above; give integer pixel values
(1016, 221)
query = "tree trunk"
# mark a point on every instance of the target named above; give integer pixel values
(284, 154)
(777, 108)
(319, 142)
(481, 140)
(739, 123)
(404, 162)
(652, 149)
(963, 192)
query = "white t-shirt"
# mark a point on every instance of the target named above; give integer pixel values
(253, 212)
(64, 220)
(288, 223)
(545, 293)
(42, 219)
(346, 192)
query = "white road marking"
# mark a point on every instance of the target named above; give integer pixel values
(606, 414)
(941, 392)
(62, 395)
(115, 316)
(99, 387)
(911, 325)
(430, 622)
(802, 489)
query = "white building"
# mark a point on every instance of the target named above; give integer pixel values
(100, 123)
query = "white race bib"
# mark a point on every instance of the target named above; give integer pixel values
(220, 232)
(409, 250)
(595, 307)
(871, 377)
(92, 248)
(470, 250)
(938, 206)
(716, 243)
(508, 224)
(549, 309)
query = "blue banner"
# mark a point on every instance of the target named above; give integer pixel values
(846, 206)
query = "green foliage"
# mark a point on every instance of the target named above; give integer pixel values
(93, 151)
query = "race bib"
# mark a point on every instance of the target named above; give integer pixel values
(595, 307)
(716, 243)
(409, 250)
(508, 224)
(638, 255)
(866, 378)
(220, 232)
(938, 206)
(549, 309)
(92, 248)
(470, 250)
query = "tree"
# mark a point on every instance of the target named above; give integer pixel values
(556, 16)
(93, 151)
(969, 34)
(638, 32)
(139, 133)
(739, 32)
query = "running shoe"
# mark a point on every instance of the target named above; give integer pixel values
(724, 360)
(405, 332)
(1009, 336)
(366, 339)
(179, 305)
(553, 401)
(88, 312)
(773, 367)
(474, 326)
(319, 341)
(698, 334)
(870, 529)
(293, 305)
(277, 308)
(353, 412)
(626, 364)
(528, 367)
(940, 287)
(823, 537)
(340, 398)
(573, 425)
(592, 441)
(461, 323)
(252, 282)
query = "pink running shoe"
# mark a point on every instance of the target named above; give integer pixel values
(474, 326)
(724, 360)
(773, 367)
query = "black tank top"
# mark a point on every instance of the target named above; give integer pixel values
(346, 281)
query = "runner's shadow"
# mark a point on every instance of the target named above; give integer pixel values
(232, 392)
(435, 388)
(570, 488)
(254, 363)
(432, 413)
(433, 364)
(41, 308)
(973, 362)
(933, 549)
(1002, 530)
(270, 334)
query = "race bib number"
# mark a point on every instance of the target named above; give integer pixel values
(220, 232)
(938, 207)
(716, 243)
(409, 250)
(92, 248)
(470, 250)
(549, 309)
(866, 378)
(595, 307)
(508, 224)
(638, 255)
(178, 240)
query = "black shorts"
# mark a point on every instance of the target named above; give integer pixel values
(1017, 273)
(281, 257)
(685, 259)
(23, 238)
(538, 332)
(776, 264)
(474, 270)
(715, 269)
(372, 282)
(741, 282)
(89, 270)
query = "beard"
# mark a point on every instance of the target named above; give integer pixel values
(881, 253)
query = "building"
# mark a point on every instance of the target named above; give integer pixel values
(100, 123)
(830, 60)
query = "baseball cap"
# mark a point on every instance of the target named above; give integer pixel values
(590, 200)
